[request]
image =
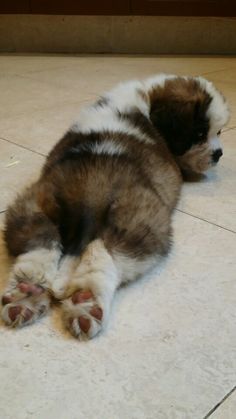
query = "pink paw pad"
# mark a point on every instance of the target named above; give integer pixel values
(15, 311)
(94, 312)
(30, 289)
(81, 296)
(6, 299)
(84, 324)
(27, 314)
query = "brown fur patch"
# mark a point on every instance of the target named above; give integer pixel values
(196, 160)
(128, 198)
(27, 227)
(179, 112)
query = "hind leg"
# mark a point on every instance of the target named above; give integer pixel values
(90, 292)
(27, 296)
(88, 285)
(137, 235)
(32, 237)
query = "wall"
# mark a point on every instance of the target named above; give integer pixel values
(117, 34)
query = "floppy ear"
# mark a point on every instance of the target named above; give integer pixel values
(174, 120)
(201, 106)
(178, 112)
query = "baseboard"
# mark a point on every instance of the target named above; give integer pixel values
(117, 34)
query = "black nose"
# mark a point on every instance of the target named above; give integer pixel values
(216, 155)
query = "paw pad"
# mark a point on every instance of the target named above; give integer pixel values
(96, 312)
(14, 312)
(84, 324)
(85, 315)
(6, 299)
(24, 303)
(81, 296)
(30, 289)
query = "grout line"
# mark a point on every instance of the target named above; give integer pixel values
(207, 221)
(215, 71)
(220, 403)
(228, 129)
(42, 70)
(17, 74)
(22, 146)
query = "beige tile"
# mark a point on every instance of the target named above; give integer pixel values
(227, 409)
(82, 81)
(21, 95)
(40, 130)
(89, 65)
(214, 198)
(18, 168)
(20, 64)
(102, 72)
(168, 354)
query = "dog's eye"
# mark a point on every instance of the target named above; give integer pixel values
(218, 133)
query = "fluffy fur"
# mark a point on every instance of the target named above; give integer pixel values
(100, 213)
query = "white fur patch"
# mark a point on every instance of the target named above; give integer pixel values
(108, 147)
(126, 96)
(131, 268)
(66, 269)
(97, 273)
(38, 266)
(106, 119)
(214, 143)
(218, 111)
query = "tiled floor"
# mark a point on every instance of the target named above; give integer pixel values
(170, 349)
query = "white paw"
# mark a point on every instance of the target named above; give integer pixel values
(24, 303)
(29, 270)
(83, 314)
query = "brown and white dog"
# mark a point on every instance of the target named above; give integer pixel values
(100, 213)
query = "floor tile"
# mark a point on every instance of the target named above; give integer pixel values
(21, 95)
(227, 409)
(169, 350)
(214, 198)
(18, 168)
(41, 129)
(20, 64)
(99, 73)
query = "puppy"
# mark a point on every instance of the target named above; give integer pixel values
(100, 213)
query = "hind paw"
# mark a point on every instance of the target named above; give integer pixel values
(83, 314)
(24, 303)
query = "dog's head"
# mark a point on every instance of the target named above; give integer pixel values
(190, 113)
